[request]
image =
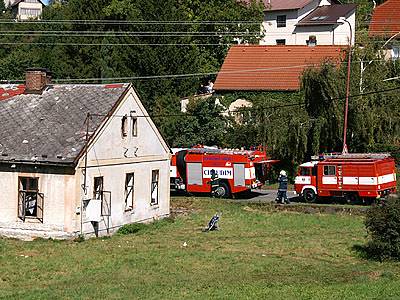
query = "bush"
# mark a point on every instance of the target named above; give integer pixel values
(383, 227)
(131, 228)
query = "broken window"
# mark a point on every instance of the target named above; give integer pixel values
(124, 126)
(129, 190)
(155, 174)
(30, 201)
(98, 188)
(134, 125)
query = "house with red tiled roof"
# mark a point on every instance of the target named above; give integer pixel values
(271, 68)
(385, 24)
(308, 22)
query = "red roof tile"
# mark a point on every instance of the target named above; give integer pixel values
(270, 68)
(385, 19)
(8, 91)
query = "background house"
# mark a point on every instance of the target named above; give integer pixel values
(25, 9)
(270, 68)
(307, 22)
(385, 24)
(78, 159)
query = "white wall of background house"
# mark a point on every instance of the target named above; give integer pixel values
(327, 35)
(112, 156)
(299, 35)
(29, 9)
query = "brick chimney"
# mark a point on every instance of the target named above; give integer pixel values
(36, 80)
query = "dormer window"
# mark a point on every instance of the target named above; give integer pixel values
(281, 21)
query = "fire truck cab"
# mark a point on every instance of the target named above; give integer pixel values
(351, 177)
(221, 172)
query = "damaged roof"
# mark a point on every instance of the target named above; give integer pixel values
(271, 68)
(50, 127)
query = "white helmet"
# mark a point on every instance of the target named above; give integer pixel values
(283, 173)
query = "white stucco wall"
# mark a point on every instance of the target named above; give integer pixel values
(26, 5)
(113, 156)
(58, 203)
(326, 35)
(110, 156)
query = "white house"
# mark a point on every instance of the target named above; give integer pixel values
(25, 9)
(78, 159)
(308, 22)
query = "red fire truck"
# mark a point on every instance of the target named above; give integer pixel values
(352, 177)
(222, 172)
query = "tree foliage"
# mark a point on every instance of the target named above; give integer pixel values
(383, 227)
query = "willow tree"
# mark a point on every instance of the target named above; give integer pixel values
(322, 88)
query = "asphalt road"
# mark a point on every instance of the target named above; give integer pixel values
(265, 196)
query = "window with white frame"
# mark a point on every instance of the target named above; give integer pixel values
(155, 178)
(129, 190)
(281, 21)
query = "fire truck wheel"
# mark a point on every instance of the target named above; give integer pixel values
(309, 195)
(353, 199)
(223, 190)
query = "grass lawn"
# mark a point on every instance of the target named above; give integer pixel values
(257, 254)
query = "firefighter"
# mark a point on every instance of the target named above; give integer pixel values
(214, 181)
(282, 188)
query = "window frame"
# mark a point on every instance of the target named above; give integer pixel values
(328, 170)
(134, 125)
(280, 42)
(281, 21)
(155, 184)
(129, 191)
(28, 193)
(124, 126)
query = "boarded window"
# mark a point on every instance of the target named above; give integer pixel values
(194, 173)
(330, 170)
(129, 190)
(155, 178)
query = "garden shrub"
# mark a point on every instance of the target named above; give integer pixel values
(383, 227)
(131, 228)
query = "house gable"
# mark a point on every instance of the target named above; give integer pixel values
(128, 134)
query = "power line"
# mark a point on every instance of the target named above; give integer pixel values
(114, 44)
(126, 22)
(187, 74)
(244, 109)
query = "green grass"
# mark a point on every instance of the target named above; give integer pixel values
(257, 254)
